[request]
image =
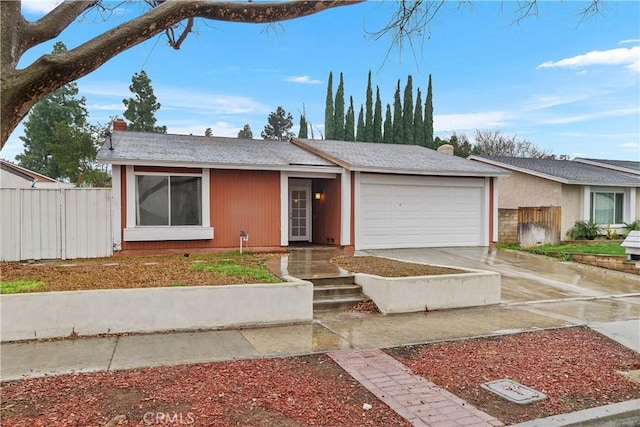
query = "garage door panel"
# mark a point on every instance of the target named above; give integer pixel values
(420, 215)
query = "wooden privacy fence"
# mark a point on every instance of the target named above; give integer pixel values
(64, 223)
(539, 225)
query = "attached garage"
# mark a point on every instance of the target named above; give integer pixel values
(420, 211)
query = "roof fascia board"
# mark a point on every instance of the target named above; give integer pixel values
(523, 170)
(427, 173)
(321, 153)
(290, 168)
(606, 166)
(29, 172)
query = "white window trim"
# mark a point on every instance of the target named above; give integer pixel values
(133, 232)
(626, 196)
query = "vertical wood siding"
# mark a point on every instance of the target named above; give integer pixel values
(326, 212)
(539, 225)
(247, 201)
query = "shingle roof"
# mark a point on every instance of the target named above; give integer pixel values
(395, 158)
(565, 171)
(164, 149)
(621, 165)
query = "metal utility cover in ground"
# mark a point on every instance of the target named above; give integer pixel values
(513, 391)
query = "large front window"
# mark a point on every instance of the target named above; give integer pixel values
(606, 208)
(168, 200)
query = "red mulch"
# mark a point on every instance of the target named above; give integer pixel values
(575, 368)
(301, 391)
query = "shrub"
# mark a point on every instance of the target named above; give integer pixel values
(631, 226)
(584, 230)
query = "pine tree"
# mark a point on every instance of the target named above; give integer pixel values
(407, 113)
(418, 122)
(368, 121)
(278, 126)
(302, 133)
(428, 117)
(208, 132)
(245, 132)
(349, 122)
(398, 122)
(328, 110)
(57, 137)
(338, 112)
(360, 135)
(387, 135)
(377, 118)
(142, 108)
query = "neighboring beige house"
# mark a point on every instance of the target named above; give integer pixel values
(14, 176)
(605, 191)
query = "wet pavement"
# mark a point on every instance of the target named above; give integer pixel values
(537, 293)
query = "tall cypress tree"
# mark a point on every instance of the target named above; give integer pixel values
(328, 110)
(302, 133)
(377, 118)
(387, 136)
(428, 117)
(338, 113)
(398, 122)
(368, 120)
(349, 122)
(418, 122)
(407, 113)
(361, 134)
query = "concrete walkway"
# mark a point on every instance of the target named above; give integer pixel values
(537, 294)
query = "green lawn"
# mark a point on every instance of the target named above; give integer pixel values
(564, 250)
(15, 286)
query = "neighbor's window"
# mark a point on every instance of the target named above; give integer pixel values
(168, 200)
(606, 208)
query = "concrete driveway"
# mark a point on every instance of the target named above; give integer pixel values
(606, 300)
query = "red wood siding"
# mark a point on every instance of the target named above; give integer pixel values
(247, 201)
(240, 200)
(326, 211)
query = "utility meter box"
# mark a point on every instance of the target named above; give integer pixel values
(632, 246)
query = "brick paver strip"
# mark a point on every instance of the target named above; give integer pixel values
(419, 401)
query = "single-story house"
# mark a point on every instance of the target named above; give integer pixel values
(603, 191)
(182, 192)
(14, 176)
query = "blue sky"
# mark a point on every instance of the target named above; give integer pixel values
(569, 85)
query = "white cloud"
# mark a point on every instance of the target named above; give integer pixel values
(630, 57)
(219, 128)
(302, 79)
(592, 116)
(210, 103)
(631, 146)
(39, 6)
(542, 102)
(471, 121)
(629, 41)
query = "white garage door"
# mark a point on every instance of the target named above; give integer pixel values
(405, 212)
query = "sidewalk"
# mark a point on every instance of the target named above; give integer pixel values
(346, 336)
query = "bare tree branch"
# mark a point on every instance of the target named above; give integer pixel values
(21, 89)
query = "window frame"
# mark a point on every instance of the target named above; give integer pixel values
(134, 232)
(616, 214)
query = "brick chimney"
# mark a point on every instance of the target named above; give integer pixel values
(119, 124)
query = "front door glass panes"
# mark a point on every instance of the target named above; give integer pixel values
(299, 213)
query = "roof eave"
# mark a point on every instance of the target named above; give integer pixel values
(395, 171)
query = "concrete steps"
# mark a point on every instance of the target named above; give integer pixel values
(336, 293)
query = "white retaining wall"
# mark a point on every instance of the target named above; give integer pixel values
(60, 314)
(420, 293)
